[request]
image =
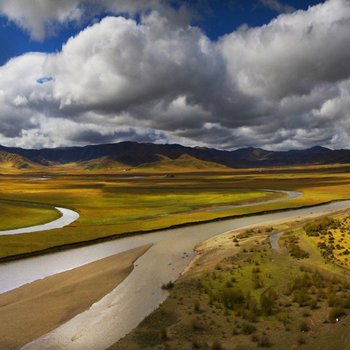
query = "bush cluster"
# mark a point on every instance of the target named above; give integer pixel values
(294, 249)
(320, 226)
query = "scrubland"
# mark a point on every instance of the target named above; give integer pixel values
(242, 294)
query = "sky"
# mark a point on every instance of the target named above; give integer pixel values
(273, 74)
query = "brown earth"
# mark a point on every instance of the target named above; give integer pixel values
(32, 310)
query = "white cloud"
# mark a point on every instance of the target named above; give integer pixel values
(39, 16)
(42, 17)
(282, 85)
(292, 54)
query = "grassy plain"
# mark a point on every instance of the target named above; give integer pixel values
(241, 294)
(16, 214)
(114, 203)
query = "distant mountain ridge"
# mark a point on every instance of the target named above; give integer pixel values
(133, 154)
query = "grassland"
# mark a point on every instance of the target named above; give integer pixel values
(116, 203)
(17, 214)
(241, 294)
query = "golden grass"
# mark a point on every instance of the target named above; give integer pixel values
(15, 214)
(339, 238)
(114, 203)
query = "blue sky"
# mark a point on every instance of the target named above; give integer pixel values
(214, 17)
(14, 41)
(223, 17)
(226, 74)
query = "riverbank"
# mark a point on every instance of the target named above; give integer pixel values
(124, 308)
(240, 294)
(112, 237)
(66, 217)
(35, 309)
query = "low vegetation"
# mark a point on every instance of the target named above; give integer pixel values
(17, 214)
(332, 237)
(117, 201)
(293, 297)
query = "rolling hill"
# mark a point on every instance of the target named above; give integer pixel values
(10, 161)
(164, 157)
(184, 161)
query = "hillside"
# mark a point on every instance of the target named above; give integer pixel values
(14, 161)
(129, 155)
(103, 163)
(183, 162)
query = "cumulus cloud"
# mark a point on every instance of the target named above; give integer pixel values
(292, 54)
(41, 18)
(283, 85)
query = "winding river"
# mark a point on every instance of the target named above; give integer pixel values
(289, 196)
(140, 293)
(67, 217)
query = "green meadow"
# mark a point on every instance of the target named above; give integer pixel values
(112, 204)
(18, 214)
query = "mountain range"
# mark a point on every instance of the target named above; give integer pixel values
(164, 156)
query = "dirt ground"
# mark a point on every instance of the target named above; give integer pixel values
(34, 309)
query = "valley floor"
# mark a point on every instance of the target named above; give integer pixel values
(239, 293)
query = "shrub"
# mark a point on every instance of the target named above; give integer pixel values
(248, 328)
(196, 344)
(256, 281)
(268, 301)
(216, 345)
(232, 297)
(197, 306)
(264, 342)
(196, 326)
(169, 285)
(303, 327)
(296, 252)
(229, 284)
(332, 300)
(301, 341)
(319, 226)
(301, 297)
(164, 333)
(335, 313)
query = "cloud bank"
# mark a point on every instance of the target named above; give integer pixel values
(40, 18)
(280, 86)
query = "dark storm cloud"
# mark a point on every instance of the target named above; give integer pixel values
(282, 85)
(92, 136)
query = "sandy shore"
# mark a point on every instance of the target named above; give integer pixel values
(39, 307)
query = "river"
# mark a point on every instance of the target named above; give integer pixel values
(140, 293)
(67, 217)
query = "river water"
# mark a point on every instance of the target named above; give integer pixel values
(289, 196)
(68, 216)
(140, 293)
(274, 240)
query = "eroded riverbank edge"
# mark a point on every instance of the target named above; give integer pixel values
(35, 309)
(124, 308)
(90, 242)
(209, 256)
